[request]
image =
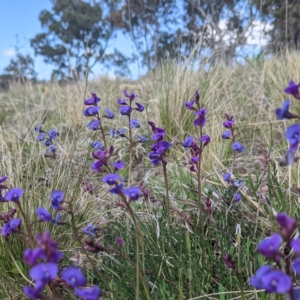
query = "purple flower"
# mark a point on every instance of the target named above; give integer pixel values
(118, 165)
(12, 226)
(122, 102)
(205, 139)
(188, 142)
(47, 143)
(53, 134)
(190, 105)
(296, 265)
(31, 257)
(94, 124)
(52, 149)
(117, 190)
(90, 230)
(73, 277)
(57, 198)
(229, 262)
(96, 165)
(116, 133)
(276, 282)
(91, 111)
(256, 280)
(288, 159)
(293, 136)
(93, 100)
(56, 220)
(288, 225)
(226, 177)
(34, 293)
(293, 89)
(284, 112)
(142, 139)
(238, 147)
(119, 241)
(133, 193)
(13, 194)
(135, 123)
(41, 136)
(125, 110)
(269, 246)
(91, 293)
(296, 245)
(2, 179)
(140, 107)
(228, 124)
(200, 121)
(194, 159)
(237, 197)
(130, 96)
(96, 145)
(109, 114)
(226, 135)
(111, 179)
(44, 272)
(43, 214)
(38, 128)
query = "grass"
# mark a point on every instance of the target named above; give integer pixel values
(176, 265)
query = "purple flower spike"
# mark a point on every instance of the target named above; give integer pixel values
(133, 193)
(256, 280)
(200, 121)
(93, 100)
(14, 194)
(140, 107)
(276, 282)
(119, 241)
(73, 277)
(269, 246)
(190, 105)
(2, 179)
(188, 142)
(293, 136)
(125, 110)
(205, 139)
(53, 134)
(44, 272)
(118, 165)
(91, 111)
(111, 179)
(238, 147)
(135, 123)
(284, 112)
(90, 230)
(96, 166)
(226, 135)
(109, 114)
(92, 293)
(94, 125)
(43, 214)
(57, 198)
(131, 96)
(226, 177)
(293, 89)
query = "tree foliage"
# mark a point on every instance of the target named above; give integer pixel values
(76, 36)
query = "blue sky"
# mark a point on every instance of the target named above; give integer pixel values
(19, 23)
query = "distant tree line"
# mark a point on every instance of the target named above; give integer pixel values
(79, 34)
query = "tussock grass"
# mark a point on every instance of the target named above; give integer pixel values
(251, 92)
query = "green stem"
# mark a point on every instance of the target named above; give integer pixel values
(164, 163)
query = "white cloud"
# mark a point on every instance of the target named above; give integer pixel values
(9, 52)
